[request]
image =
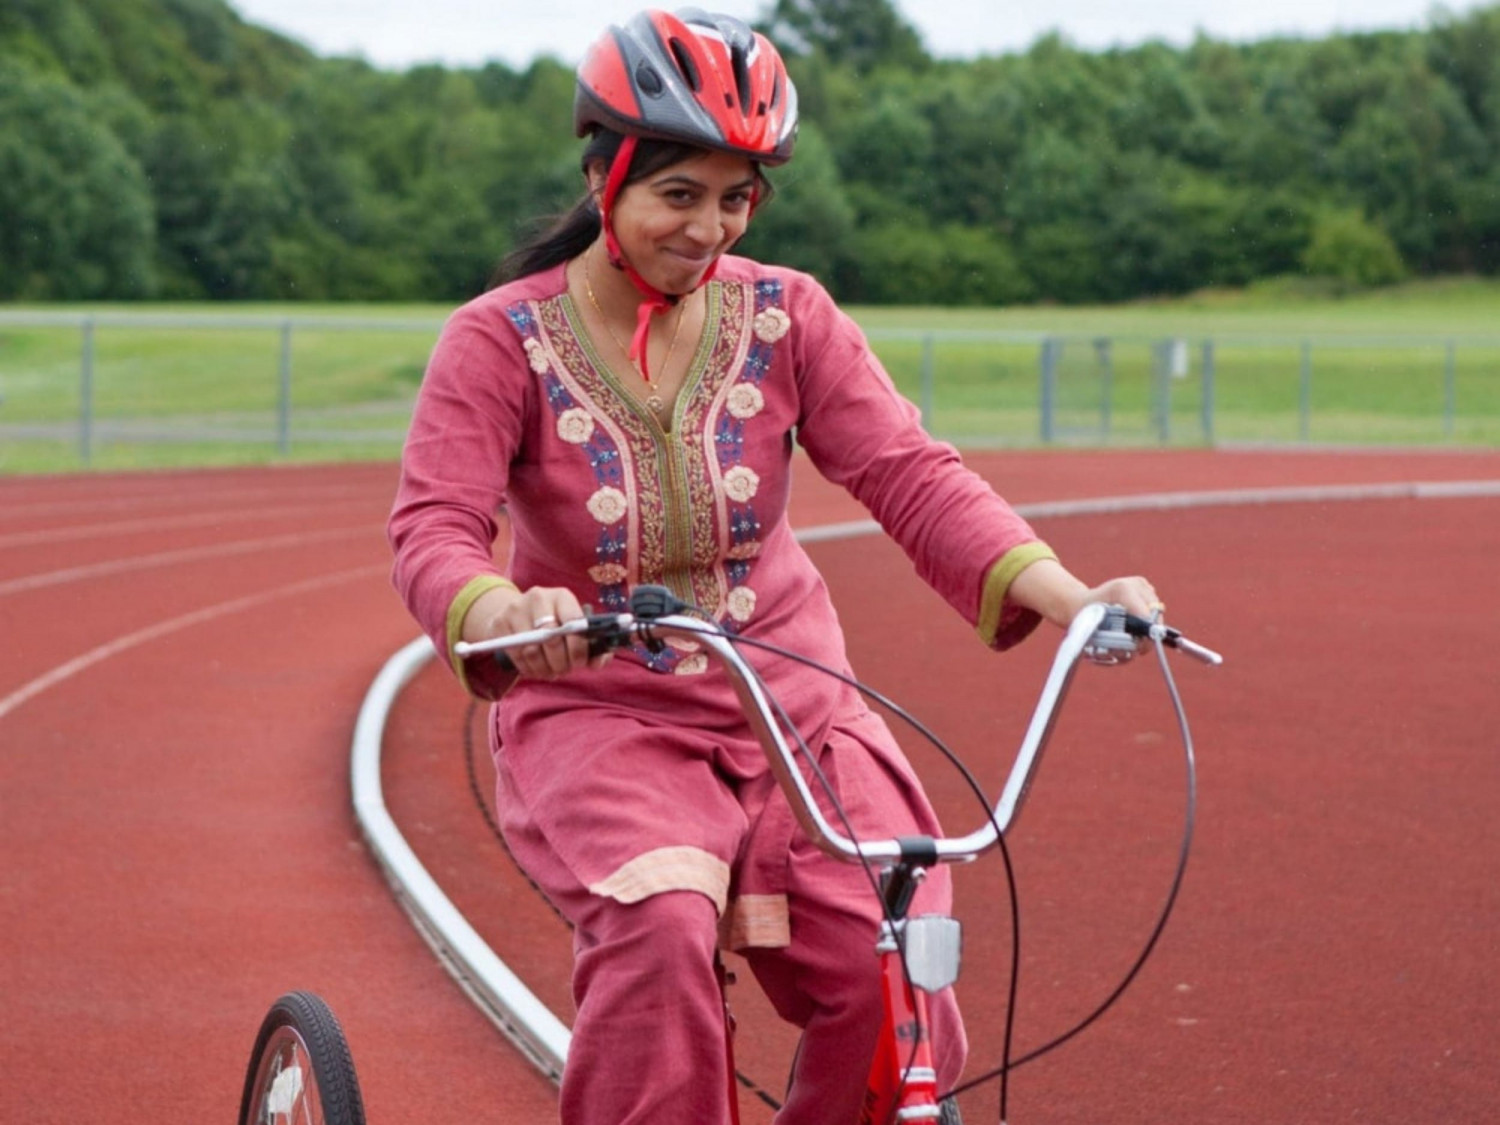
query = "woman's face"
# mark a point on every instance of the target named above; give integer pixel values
(673, 223)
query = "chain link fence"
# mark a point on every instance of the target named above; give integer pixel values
(122, 389)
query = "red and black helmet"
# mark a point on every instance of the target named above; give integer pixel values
(692, 77)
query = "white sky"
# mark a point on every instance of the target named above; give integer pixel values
(399, 33)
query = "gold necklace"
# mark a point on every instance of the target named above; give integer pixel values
(654, 401)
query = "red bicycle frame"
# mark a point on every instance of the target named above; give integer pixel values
(903, 1078)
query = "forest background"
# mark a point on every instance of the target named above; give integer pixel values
(168, 150)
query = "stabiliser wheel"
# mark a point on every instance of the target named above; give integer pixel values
(300, 1071)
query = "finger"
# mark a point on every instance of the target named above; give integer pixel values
(576, 647)
(534, 611)
(1136, 595)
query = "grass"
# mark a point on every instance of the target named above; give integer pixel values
(209, 393)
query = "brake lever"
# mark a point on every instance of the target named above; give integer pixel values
(1117, 639)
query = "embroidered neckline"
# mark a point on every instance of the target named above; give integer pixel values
(708, 339)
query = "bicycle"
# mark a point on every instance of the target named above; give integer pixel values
(301, 1072)
(921, 955)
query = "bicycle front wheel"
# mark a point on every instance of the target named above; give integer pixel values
(301, 1072)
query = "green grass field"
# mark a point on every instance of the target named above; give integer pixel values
(1379, 371)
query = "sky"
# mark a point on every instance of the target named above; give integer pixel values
(401, 33)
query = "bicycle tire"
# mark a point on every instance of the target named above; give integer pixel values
(301, 1071)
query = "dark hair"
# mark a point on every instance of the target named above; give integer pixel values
(559, 238)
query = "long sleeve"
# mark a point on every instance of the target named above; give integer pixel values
(965, 541)
(466, 430)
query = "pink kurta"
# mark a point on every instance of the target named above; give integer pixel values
(642, 780)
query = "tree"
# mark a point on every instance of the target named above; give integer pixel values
(1350, 249)
(808, 224)
(861, 34)
(913, 263)
(78, 218)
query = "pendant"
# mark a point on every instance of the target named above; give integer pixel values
(654, 403)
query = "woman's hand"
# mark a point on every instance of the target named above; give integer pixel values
(504, 610)
(1047, 587)
(1136, 594)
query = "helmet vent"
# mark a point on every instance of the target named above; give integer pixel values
(648, 81)
(686, 65)
(738, 60)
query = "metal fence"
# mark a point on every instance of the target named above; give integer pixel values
(121, 388)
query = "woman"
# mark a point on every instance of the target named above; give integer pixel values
(630, 399)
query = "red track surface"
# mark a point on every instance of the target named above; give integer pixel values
(184, 655)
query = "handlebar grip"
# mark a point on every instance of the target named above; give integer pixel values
(603, 631)
(1172, 638)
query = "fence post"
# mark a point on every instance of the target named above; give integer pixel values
(1104, 349)
(1207, 408)
(1304, 396)
(1162, 353)
(928, 379)
(86, 395)
(1048, 363)
(1450, 388)
(284, 395)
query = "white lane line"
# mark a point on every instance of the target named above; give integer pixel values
(1164, 501)
(488, 981)
(163, 523)
(1308, 494)
(170, 558)
(140, 499)
(71, 668)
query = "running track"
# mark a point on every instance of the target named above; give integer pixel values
(184, 654)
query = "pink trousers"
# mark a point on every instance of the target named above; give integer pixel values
(648, 1037)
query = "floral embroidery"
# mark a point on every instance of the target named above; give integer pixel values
(748, 550)
(683, 644)
(741, 483)
(694, 665)
(608, 574)
(772, 324)
(536, 355)
(741, 603)
(746, 401)
(596, 445)
(575, 425)
(608, 505)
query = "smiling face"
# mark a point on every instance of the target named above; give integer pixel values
(673, 223)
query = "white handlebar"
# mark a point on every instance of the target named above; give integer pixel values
(1095, 632)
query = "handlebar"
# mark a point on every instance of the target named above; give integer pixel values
(1100, 633)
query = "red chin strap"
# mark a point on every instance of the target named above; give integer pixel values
(656, 301)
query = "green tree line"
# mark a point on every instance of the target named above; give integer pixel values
(167, 149)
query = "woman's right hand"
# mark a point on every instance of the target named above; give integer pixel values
(505, 610)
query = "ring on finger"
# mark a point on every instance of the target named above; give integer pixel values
(545, 621)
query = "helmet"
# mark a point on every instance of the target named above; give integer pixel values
(692, 77)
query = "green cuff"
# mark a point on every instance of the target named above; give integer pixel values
(997, 585)
(473, 590)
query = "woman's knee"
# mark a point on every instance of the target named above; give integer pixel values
(664, 939)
